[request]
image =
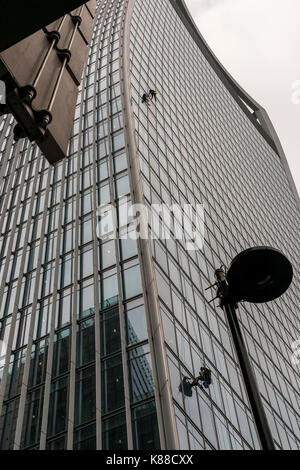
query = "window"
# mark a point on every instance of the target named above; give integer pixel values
(85, 395)
(112, 384)
(61, 353)
(86, 298)
(110, 290)
(15, 373)
(86, 262)
(85, 342)
(57, 416)
(86, 230)
(128, 247)
(8, 423)
(85, 439)
(118, 141)
(66, 271)
(122, 187)
(114, 433)
(132, 283)
(57, 444)
(136, 326)
(32, 418)
(38, 363)
(120, 162)
(86, 202)
(144, 427)
(110, 332)
(141, 380)
(65, 306)
(107, 255)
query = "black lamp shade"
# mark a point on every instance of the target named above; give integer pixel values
(259, 275)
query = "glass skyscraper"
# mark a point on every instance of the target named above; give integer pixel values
(96, 334)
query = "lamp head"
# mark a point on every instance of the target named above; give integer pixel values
(259, 275)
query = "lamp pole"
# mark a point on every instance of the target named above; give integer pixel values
(257, 275)
(229, 306)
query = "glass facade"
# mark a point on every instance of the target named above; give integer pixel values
(81, 367)
(197, 145)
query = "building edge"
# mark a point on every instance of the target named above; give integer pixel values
(259, 117)
(163, 396)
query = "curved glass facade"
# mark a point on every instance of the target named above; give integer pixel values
(197, 145)
(77, 372)
(84, 365)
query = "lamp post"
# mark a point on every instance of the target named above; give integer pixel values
(256, 275)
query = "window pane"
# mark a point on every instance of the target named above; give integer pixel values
(86, 299)
(107, 255)
(85, 395)
(110, 291)
(85, 342)
(110, 332)
(57, 417)
(32, 418)
(132, 282)
(136, 326)
(120, 163)
(118, 142)
(122, 187)
(85, 439)
(57, 444)
(61, 353)
(128, 248)
(112, 384)
(103, 195)
(86, 263)
(114, 433)
(144, 427)
(38, 363)
(141, 380)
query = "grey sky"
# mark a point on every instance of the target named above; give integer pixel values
(258, 42)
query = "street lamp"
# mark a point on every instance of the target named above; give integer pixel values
(256, 275)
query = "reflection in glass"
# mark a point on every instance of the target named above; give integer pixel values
(112, 384)
(141, 381)
(107, 255)
(132, 282)
(86, 298)
(136, 325)
(85, 395)
(85, 439)
(128, 247)
(110, 291)
(8, 421)
(85, 343)
(144, 427)
(32, 418)
(57, 416)
(110, 332)
(61, 353)
(38, 363)
(57, 444)
(114, 433)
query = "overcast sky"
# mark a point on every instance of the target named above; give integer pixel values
(258, 42)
